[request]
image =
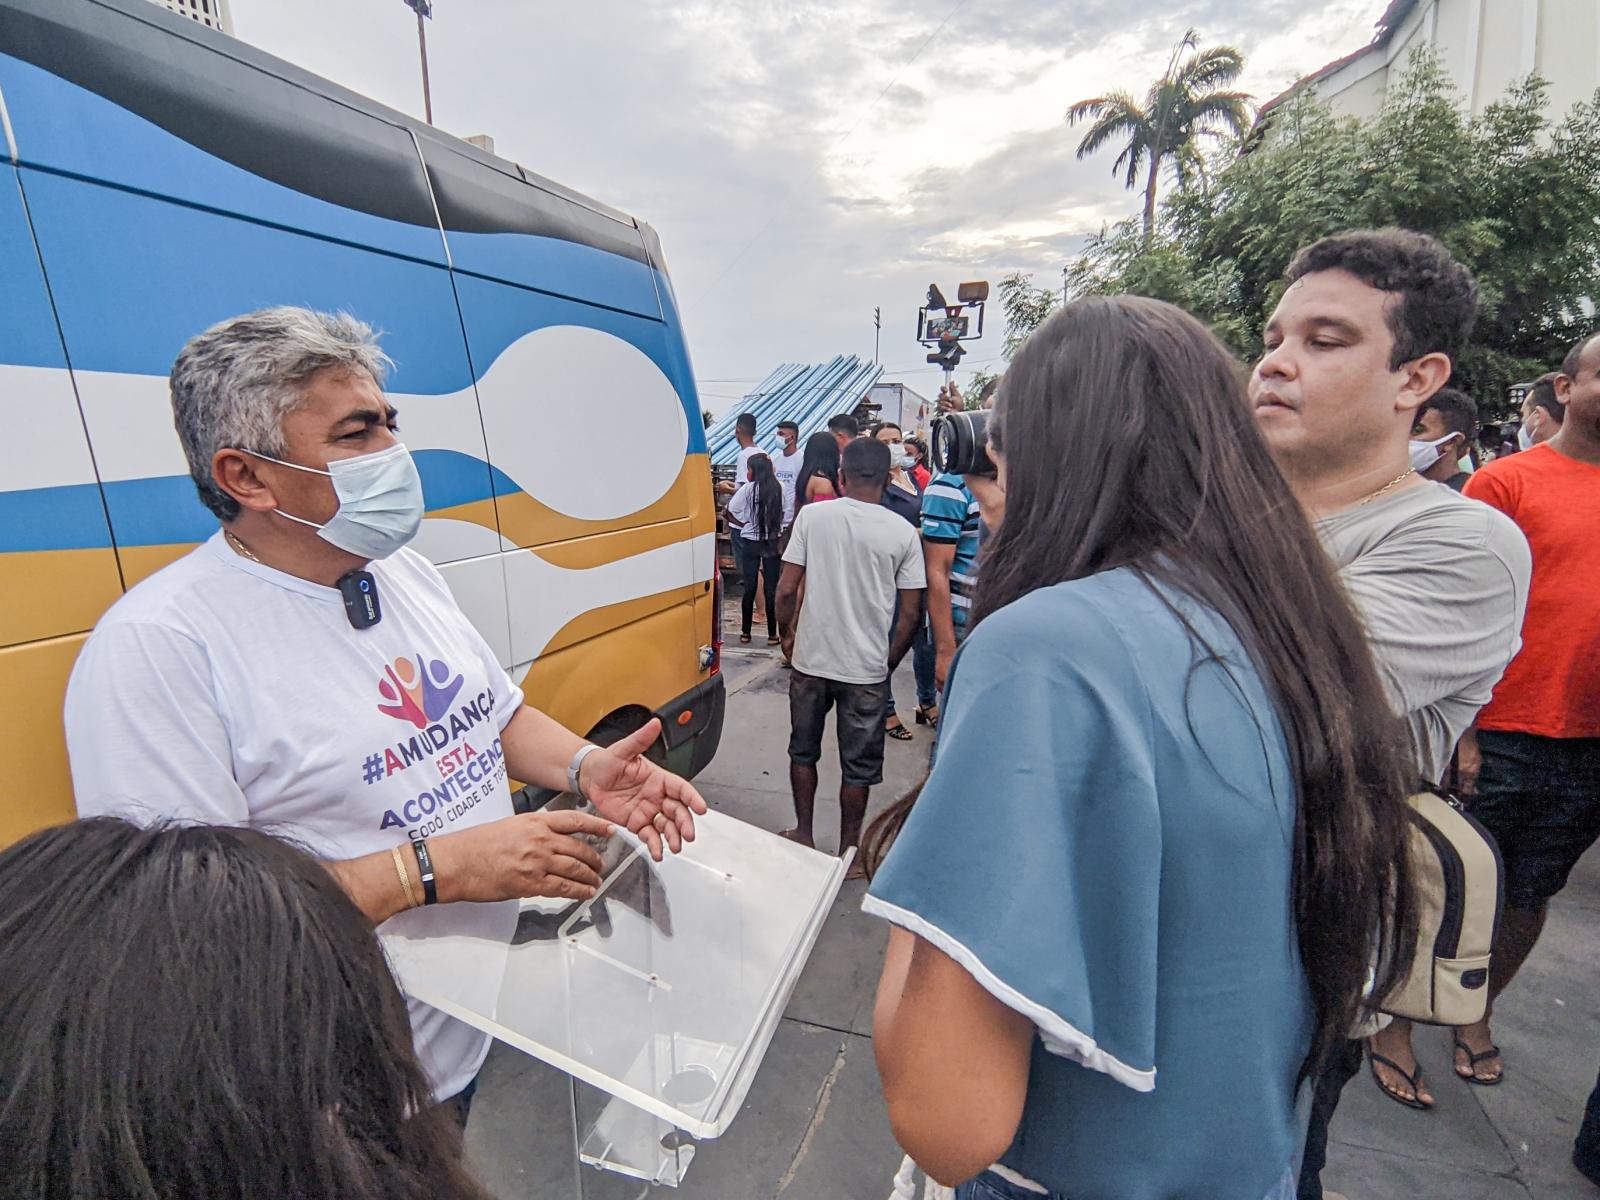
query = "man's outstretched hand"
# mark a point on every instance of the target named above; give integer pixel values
(626, 787)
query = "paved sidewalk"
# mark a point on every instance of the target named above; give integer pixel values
(814, 1128)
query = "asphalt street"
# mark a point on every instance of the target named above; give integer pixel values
(814, 1128)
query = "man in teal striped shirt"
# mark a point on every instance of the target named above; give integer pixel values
(950, 544)
(951, 530)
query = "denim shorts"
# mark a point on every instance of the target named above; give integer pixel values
(1540, 798)
(859, 721)
(990, 1186)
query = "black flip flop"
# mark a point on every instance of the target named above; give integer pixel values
(1472, 1064)
(1415, 1080)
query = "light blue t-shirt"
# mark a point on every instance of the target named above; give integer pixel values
(1106, 845)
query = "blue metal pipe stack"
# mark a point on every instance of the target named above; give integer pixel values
(806, 395)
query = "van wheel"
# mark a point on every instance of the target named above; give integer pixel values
(618, 725)
(623, 722)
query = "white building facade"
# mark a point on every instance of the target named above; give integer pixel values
(1485, 45)
(211, 13)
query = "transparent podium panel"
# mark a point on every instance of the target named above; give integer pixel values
(658, 997)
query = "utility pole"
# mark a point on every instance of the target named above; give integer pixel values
(877, 332)
(423, 8)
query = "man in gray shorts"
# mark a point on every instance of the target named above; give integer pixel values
(851, 568)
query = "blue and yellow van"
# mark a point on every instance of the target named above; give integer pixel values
(158, 177)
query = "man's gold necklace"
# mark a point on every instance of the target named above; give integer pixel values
(1409, 471)
(242, 548)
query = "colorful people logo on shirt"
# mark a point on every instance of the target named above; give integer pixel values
(417, 690)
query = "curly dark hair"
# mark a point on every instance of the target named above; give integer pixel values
(1456, 409)
(1438, 298)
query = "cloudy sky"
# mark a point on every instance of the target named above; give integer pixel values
(804, 162)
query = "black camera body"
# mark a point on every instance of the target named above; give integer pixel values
(960, 444)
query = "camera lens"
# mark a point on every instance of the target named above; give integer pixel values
(960, 442)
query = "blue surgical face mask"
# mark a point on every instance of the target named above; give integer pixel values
(380, 501)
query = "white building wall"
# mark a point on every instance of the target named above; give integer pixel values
(1569, 42)
(1502, 57)
(1487, 46)
(213, 13)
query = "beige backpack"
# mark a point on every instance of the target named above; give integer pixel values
(1460, 882)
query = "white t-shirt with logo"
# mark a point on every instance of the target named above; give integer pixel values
(787, 468)
(857, 558)
(221, 691)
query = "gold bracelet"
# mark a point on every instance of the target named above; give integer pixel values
(405, 880)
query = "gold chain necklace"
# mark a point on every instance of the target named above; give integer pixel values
(1409, 471)
(243, 549)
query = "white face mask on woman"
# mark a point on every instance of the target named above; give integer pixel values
(380, 501)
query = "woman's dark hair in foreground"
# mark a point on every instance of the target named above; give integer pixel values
(821, 457)
(1128, 442)
(194, 1012)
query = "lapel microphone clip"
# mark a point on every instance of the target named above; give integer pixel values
(360, 592)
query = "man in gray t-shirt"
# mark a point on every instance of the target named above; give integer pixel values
(1441, 583)
(1365, 333)
(848, 601)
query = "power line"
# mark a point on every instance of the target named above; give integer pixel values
(927, 366)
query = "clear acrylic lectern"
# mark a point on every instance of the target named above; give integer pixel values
(658, 997)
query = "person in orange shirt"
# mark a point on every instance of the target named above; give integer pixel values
(1531, 772)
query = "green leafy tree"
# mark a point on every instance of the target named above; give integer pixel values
(1025, 307)
(1512, 192)
(1186, 107)
(975, 384)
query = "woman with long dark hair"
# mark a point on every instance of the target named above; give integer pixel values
(1163, 848)
(193, 1012)
(757, 510)
(819, 471)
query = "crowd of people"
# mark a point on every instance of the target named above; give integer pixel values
(846, 581)
(1186, 653)
(1355, 544)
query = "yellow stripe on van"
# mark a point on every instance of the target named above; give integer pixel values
(30, 711)
(49, 593)
(584, 553)
(530, 522)
(614, 657)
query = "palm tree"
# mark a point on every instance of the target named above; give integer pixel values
(1182, 107)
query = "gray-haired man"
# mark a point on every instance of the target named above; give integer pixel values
(230, 687)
